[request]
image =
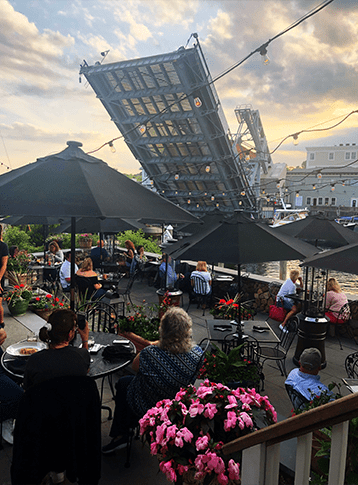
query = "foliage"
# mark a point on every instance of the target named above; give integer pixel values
(228, 309)
(18, 293)
(225, 368)
(19, 264)
(14, 236)
(138, 238)
(188, 432)
(143, 321)
(85, 237)
(324, 451)
(49, 302)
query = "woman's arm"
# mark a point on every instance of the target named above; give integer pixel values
(135, 363)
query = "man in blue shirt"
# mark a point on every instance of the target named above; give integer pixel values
(98, 255)
(306, 380)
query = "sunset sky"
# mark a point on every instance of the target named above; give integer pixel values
(311, 80)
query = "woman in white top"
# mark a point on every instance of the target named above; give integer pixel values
(289, 288)
(202, 274)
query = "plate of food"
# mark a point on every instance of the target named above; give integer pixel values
(25, 348)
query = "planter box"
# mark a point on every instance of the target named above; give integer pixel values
(85, 244)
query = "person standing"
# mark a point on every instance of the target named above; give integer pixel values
(4, 256)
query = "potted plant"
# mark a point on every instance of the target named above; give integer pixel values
(18, 267)
(141, 325)
(85, 241)
(188, 432)
(18, 299)
(230, 369)
(44, 305)
(227, 309)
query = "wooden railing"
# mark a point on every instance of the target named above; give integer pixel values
(261, 449)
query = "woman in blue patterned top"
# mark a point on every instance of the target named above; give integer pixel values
(162, 370)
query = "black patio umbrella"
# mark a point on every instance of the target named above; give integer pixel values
(104, 226)
(239, 240)
(319, 231)
(343, 259)
(74, 184)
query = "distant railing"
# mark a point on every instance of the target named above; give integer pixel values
(261, 449)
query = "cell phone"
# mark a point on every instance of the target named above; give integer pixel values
(124, 342)
(81, 320)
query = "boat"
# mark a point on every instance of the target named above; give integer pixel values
(348, 221)
(286, 216)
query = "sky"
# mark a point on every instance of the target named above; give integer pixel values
(311, 80)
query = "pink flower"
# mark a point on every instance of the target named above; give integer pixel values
(247, 420)
(160, 432)
(182, 468)
(196, 408)
(223, 479)
(234, 470)
(202, 443)
(232, 402)
(210, 410)
(230, 422)
(204, 391)
(171, 431)
(167, 469)
(154, 448)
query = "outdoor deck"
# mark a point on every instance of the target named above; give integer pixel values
(144, 468)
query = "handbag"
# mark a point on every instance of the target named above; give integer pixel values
(277, 313)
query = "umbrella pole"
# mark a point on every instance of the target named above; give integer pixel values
(238, 318)
(73, 262)
(100, 251)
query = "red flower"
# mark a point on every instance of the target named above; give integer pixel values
(17, 287)
(48, 296)
(229, 302)
(37, 298)
(61, 304)
(235, 305)
(22, 285)
(57, 299)
(222, 302)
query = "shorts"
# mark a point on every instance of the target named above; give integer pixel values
(285, 303)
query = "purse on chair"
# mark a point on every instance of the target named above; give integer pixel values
(277, 313)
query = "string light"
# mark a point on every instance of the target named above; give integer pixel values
(243, 193)
(197, 102)
(332, 187)
(189, 201)
(264, 57)
(314, 186)
(295, 139)
(142, 129)
(176, 176)
(207, 169)
(319, 175)
(112, 147)
(212, 197)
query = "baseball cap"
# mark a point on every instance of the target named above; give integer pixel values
(311, 358)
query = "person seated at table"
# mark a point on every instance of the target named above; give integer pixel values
(60, 359)
(10, 395)
(128, 255)
(89, 287)
(65, 272)
(13, 251)
(335, 300)
(99, 254)
(167, 268)
(305, 379)
(289, 287)
(162, 369)
(202, 273)
(55, 254)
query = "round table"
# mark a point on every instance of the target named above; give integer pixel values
(15, 366)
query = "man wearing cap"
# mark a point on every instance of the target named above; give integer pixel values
(306, 380)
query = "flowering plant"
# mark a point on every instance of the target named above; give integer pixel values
(18, 293)
(142, 321)
(188, 432)
(49, 302)
(228, 309)
(85, 237)
(232, 367)
(19, 264)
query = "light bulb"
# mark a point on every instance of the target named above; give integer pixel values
(197, 102)
(188, 201)
(212, 197)
(332, 188)
(297, 194)
(207, 169)
(112, 147)
(264, 57)
(295, 139)
(319, 175)
(243, 193)
(142, 129)
(313, 186)
(176, 176)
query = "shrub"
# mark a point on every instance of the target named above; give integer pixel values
(138, 238)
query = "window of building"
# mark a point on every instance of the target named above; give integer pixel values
(326, 200)
(333, 201)
(308, 201)
(320, 200)
(314, 201)
(354, 202)
(348, 156)
(331, 156)
(312, 156)
(353, 155)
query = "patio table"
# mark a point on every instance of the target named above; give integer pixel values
(219, 329)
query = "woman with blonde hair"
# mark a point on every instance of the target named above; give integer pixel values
(201, 279)
(162, 369)
(335, 300)
(289, 287)
(87, 281)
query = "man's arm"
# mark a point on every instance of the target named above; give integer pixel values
(3, 266)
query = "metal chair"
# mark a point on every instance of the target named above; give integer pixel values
(342, 323)
(351, 365)
(198, 292)
(278, 353)
(297, 399)
(126, 292)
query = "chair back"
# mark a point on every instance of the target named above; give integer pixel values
(351, 365)
(297, 399)
(200, 285)
(344, 313)
(58, 427)
(286, 338)
(101, 316)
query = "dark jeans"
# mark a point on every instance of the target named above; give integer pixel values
(10, 395)
(123, 417)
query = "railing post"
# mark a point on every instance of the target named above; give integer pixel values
(338, 457)
(303, 459)
(253, 465)
(272, 464)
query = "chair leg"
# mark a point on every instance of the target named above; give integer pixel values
(129, 447)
